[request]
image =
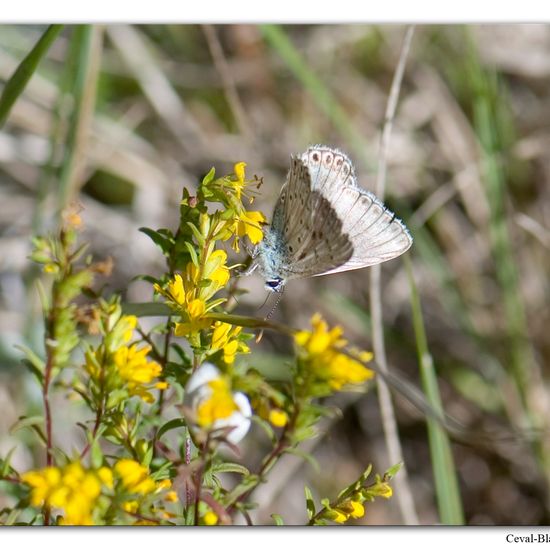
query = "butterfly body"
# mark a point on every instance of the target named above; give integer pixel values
(323, 222)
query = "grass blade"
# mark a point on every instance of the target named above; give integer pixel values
(279, 41)
(16, 84)
(85, 60)
(494, 128)
(446, 483)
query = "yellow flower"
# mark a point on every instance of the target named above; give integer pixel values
(344, 510)
(225, 337)
(218, 406)
(337, 516)
(43, 484)
(176, 290)
(240, 175)
(190, 292)
(319, 350)
(71, 489)
(106, 477)
(135, 477)
(130, 506)
(278, 418)
(216, 272)
(213, 404)
(171, 496)
(136, 371)
(244, 224)
(249, 224)
(210, 518)
(195, 313)
(358, 510)
(127, 324)
(382, 489)
(164, 484)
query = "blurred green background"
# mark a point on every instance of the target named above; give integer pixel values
(120, 118)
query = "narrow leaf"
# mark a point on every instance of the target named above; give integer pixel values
(171, 425)
(16, 84)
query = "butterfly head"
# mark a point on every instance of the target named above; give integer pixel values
(275, 284)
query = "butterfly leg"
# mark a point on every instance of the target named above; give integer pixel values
(248, 268)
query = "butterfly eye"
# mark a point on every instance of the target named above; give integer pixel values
(274, 285)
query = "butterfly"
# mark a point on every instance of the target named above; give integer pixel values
(323, 222)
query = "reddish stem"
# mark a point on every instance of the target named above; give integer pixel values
(268, 463)
(47, 411)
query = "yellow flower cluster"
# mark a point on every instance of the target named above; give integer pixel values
(320, 350)
(225, 337)
(190, 292)
(242, 223)
(72, 490)
(351, 506)
(137, 372)
(134, 477)
(118, 366)
(345, 511)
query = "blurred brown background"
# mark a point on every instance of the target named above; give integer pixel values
(468, 172)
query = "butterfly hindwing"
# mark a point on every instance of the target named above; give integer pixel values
(374, 231)
(325, 223)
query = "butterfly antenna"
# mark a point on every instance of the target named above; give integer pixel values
(264, 302)
(268, 316)
(271, 311)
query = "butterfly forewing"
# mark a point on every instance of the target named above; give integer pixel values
(326, 223)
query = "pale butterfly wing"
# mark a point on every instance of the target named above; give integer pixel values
(329, 223)
(307, 228)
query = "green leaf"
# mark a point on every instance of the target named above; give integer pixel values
(266, 427)
(26, 422)
(306, 456)
(367, 473)
(244, 486)
(5, 462)
(96, 455)
(12, 516)
(209, 177)
(35, 364)
(186, 360)
(310, 503)
(278, 519)
(230, 467)
(116, 397)
(171, 425)
(148, 456)
(33, 422)
(390, 473)
(192, 253)
(161, 241)
(148, 278)
(196, 233)
(16, 84)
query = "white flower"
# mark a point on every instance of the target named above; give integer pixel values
(214, 406)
